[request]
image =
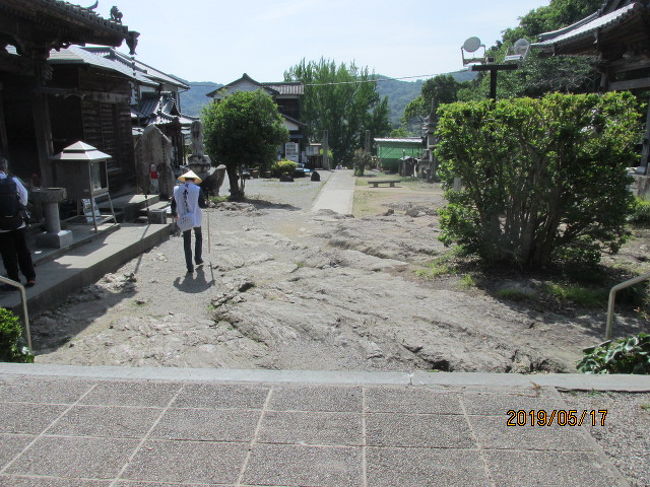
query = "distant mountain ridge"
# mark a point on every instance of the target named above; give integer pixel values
(194, 99)
(399, 94)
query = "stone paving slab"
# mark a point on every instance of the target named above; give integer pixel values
(297, 465)
(102, 432)
(517, 468)
(405, 467)
(328, 429)
(187, 461)
(207, 425)
(312, 398)
(105, 422)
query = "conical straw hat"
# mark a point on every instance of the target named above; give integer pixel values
(190, 175)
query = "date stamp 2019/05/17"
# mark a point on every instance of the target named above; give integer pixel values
(559, 417)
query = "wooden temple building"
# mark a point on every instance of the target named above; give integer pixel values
(35, 95)
(618, 37)
(135, 95)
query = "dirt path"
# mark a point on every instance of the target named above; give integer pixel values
(285, 287)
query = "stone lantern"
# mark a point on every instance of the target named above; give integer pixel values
(83, 171)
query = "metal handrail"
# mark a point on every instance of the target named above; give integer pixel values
(612, 298)
(23, 298)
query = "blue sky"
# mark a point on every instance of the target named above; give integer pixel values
(217, 40)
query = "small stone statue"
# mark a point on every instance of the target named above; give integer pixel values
(116, 15)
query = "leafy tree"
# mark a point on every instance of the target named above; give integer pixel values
(361, 161)
(543, 179)
(539, 75)
(243, 130)
(559, 13)
(342, 100)
(398, 133)
(435, 91)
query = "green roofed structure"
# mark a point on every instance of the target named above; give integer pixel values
(391, 151)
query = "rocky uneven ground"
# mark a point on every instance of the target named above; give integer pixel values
(286, 288)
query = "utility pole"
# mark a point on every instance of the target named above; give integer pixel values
(494, 69)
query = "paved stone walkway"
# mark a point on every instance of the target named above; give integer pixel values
(58, 431)
(338, 193)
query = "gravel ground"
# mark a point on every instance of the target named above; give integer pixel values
(625, 438)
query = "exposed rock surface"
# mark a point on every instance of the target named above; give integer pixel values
(288, 288)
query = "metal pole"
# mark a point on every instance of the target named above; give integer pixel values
(612, 298)
(207, 216)
(91, 192)
(23, 298)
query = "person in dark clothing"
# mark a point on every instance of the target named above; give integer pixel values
(13, 246)
(186, 208)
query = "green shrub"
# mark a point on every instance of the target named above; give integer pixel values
(623, 356)
(640, 213)
(582, 296)
(218, 199)
(284, 167)
(439, 266)
(361, 161)
(11, 343)
(542, 178)
(467, 281)
(513, 294)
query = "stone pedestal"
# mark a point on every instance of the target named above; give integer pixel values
(201, 165)
(642, 186)
(50, 199)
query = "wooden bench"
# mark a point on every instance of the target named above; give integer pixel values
(392, 182)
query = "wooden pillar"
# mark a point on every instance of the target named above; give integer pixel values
(645, 153)
(4, 141)
(44, 144)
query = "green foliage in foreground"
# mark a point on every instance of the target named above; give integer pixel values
(623, 356)
(11, 347)
(543, 179)
(640, 213)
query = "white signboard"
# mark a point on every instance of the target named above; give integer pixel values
(291, 151)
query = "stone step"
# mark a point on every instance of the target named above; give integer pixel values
(92, 259)
(129, 205)
(160, 205)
